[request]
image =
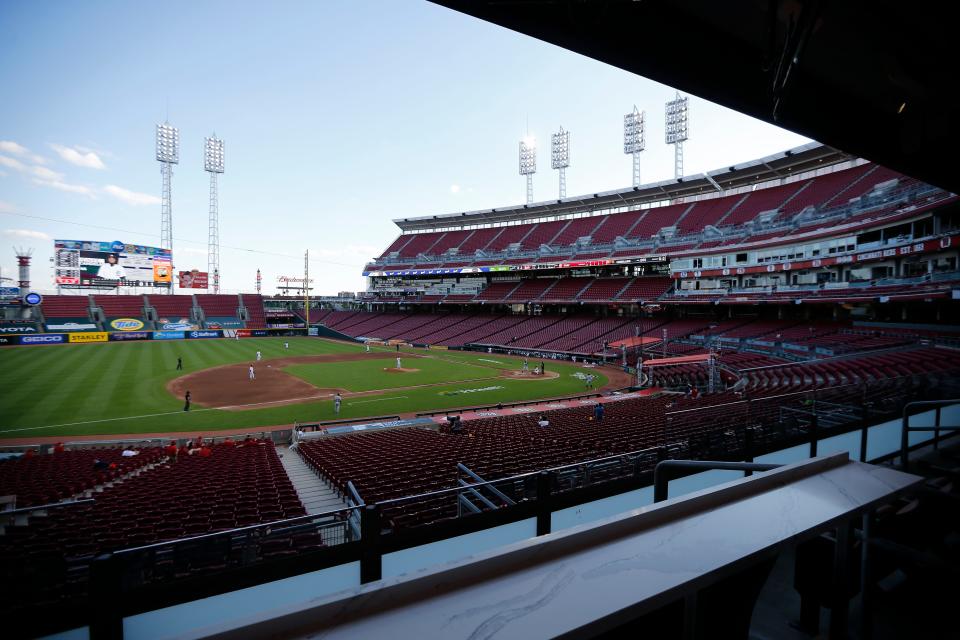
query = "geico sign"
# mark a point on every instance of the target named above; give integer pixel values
(40, 339)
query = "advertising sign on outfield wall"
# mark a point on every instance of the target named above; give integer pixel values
(313, 331)
(126, 324)
(46, 338)
(89, 336)
(8, 340)
(71, 326)
(168, 335)
(130, 335)
(204, 334)
(165, 324)
(259, 333)
(22, 328)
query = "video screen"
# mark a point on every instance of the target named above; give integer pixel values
(85, 264)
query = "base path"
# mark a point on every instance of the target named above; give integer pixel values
(231, 386)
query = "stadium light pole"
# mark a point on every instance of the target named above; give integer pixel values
(168, 154)
(213, 164)
(677, 112)
(633, 140)
(560, 158)
(528, 163)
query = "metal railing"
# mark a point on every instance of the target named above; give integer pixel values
(667, 470)
(913, 408)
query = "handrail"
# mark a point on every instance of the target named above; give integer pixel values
(231, 532)
(354, 494)
(662, 472)
(479, 496)
(905, 427)
(493, 490)
(51, 505)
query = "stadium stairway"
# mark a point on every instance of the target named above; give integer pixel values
(316, 495)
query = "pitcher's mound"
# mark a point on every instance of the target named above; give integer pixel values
(519, 374)
(400, 370)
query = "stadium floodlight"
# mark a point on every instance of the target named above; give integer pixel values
(560, 158)
(168, 143)
(677, 130)
(633, 140)
(168, 154)
(213, 154)
(528, 163)
(213, 164)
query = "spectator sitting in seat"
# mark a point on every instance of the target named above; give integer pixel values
(99, 464)
(129, 453)
(543, 422)
(205, 452)
(171, 449)
(58, 448)
(229, 442)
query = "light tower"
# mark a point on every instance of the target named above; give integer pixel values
(676, 130)
(213, 164)
(560, 158)
(168, 154)
(633, 140)
(528, 163)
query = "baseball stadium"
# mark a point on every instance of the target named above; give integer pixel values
(717, 405)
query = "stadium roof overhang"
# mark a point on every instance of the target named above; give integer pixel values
(780, 165)
(872, 78)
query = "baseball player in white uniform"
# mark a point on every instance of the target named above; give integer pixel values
(336, 403)
(286, 345)
(368, 347)
(398, 362)
(259, 356)
(253, 376)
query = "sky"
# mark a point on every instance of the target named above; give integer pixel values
(337, 117)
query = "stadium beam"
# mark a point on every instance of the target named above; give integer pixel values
(560, 158)
(213, 164)
(677, 112)
(633, 140)
(528, 163)
(168, 154)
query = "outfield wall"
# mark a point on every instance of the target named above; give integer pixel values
(88, 337)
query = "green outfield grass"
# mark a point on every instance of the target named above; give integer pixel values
(118, 387)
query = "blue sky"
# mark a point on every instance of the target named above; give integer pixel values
(337, 117)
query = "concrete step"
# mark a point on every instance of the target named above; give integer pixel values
(316, 495)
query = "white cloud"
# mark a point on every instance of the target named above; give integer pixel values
(44, 177)
(46, 174)
(12, 163)
(26, 233)
(454, 189)
(59, 185)
(79, 156)
(131, 197)
(8, 146)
